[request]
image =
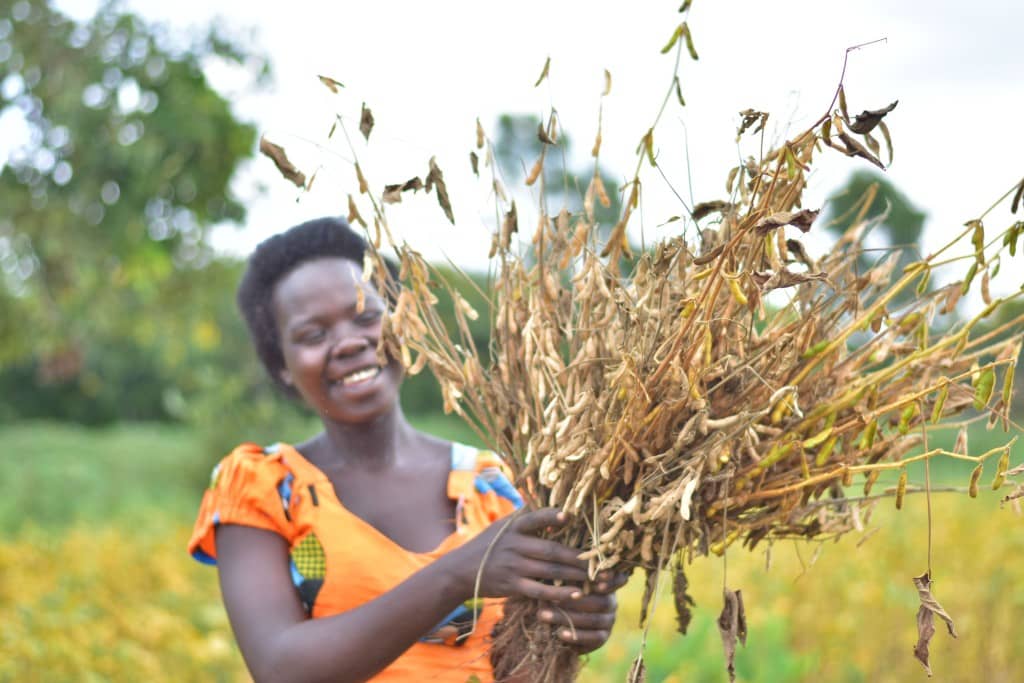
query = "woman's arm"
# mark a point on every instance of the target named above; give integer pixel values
(279, 643)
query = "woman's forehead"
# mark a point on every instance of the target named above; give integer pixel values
(333, 278)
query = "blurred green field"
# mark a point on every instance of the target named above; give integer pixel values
(95, 584)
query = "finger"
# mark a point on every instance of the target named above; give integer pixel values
(587, 640)
(592, 604)
(609, 582)
(541, 591)
(538, 520)
(552, 571)
(551, 551)
(581, 621)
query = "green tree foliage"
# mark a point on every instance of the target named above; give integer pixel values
(903, 223)
(517, 146)
(121, 170)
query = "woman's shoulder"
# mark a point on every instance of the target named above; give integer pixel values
(250, 464)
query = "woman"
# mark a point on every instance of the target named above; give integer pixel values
(371, 549)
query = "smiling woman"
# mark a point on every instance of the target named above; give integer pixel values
(372, 550)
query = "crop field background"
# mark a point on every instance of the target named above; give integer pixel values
(95, 584)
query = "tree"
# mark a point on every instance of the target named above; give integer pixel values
(122, 168)
(517, 145)
(901, 227)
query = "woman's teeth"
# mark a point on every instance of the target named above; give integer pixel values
(360, 375)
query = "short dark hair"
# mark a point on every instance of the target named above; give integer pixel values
(271, 261)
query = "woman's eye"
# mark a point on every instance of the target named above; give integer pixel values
(368, 317)
(311, 336)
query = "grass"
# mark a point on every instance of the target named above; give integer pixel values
(95, 583)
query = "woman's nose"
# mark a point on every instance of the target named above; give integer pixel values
(350, 345)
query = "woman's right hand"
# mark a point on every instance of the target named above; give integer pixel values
(515, 562)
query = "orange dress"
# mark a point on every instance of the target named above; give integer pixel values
(339, 561)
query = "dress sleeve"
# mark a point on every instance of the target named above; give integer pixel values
(244, 490)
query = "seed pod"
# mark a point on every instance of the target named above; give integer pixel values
(905, 417)
(971, 272)
(847, 477)
(872, 478)
(538, 166)
(983, 388)
(867, 439)
(1011, 369)
(818, 438)
(826, 451)
(737, 291)
(940, 401)
(972, 487)
(901, 489)
(1004, 464)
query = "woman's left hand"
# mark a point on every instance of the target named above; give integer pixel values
(587, 621)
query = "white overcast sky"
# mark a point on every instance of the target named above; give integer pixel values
(429, 69)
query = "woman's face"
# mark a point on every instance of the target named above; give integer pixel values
(329, 346)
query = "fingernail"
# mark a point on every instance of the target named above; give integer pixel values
(561, 516)
(602, 586)
(604, 576)
(576, 595)
(546, 615)
(567, 634)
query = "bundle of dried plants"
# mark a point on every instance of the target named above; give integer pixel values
(727, 389)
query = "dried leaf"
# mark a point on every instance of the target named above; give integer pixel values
(683, 600)
(855, 149)
(365, 122)
(331, 84)
(1013, 495)
(842, 103)
(650, 585)
(866, 121)
(544, 72)
(474, 162)
(280, 159)
(436, 179)
(607, 83)
(930, 608)
(797, 248)
(798, 219)
(732, 626)
(392, 194)
(750, 117)
(679, 93)
(768, 280)
(638, 672)
(479, 135)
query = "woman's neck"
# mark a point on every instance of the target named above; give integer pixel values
(375, 445)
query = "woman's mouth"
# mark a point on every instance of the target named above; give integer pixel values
(360, 376)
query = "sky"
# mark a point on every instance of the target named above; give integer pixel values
(429, 70)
